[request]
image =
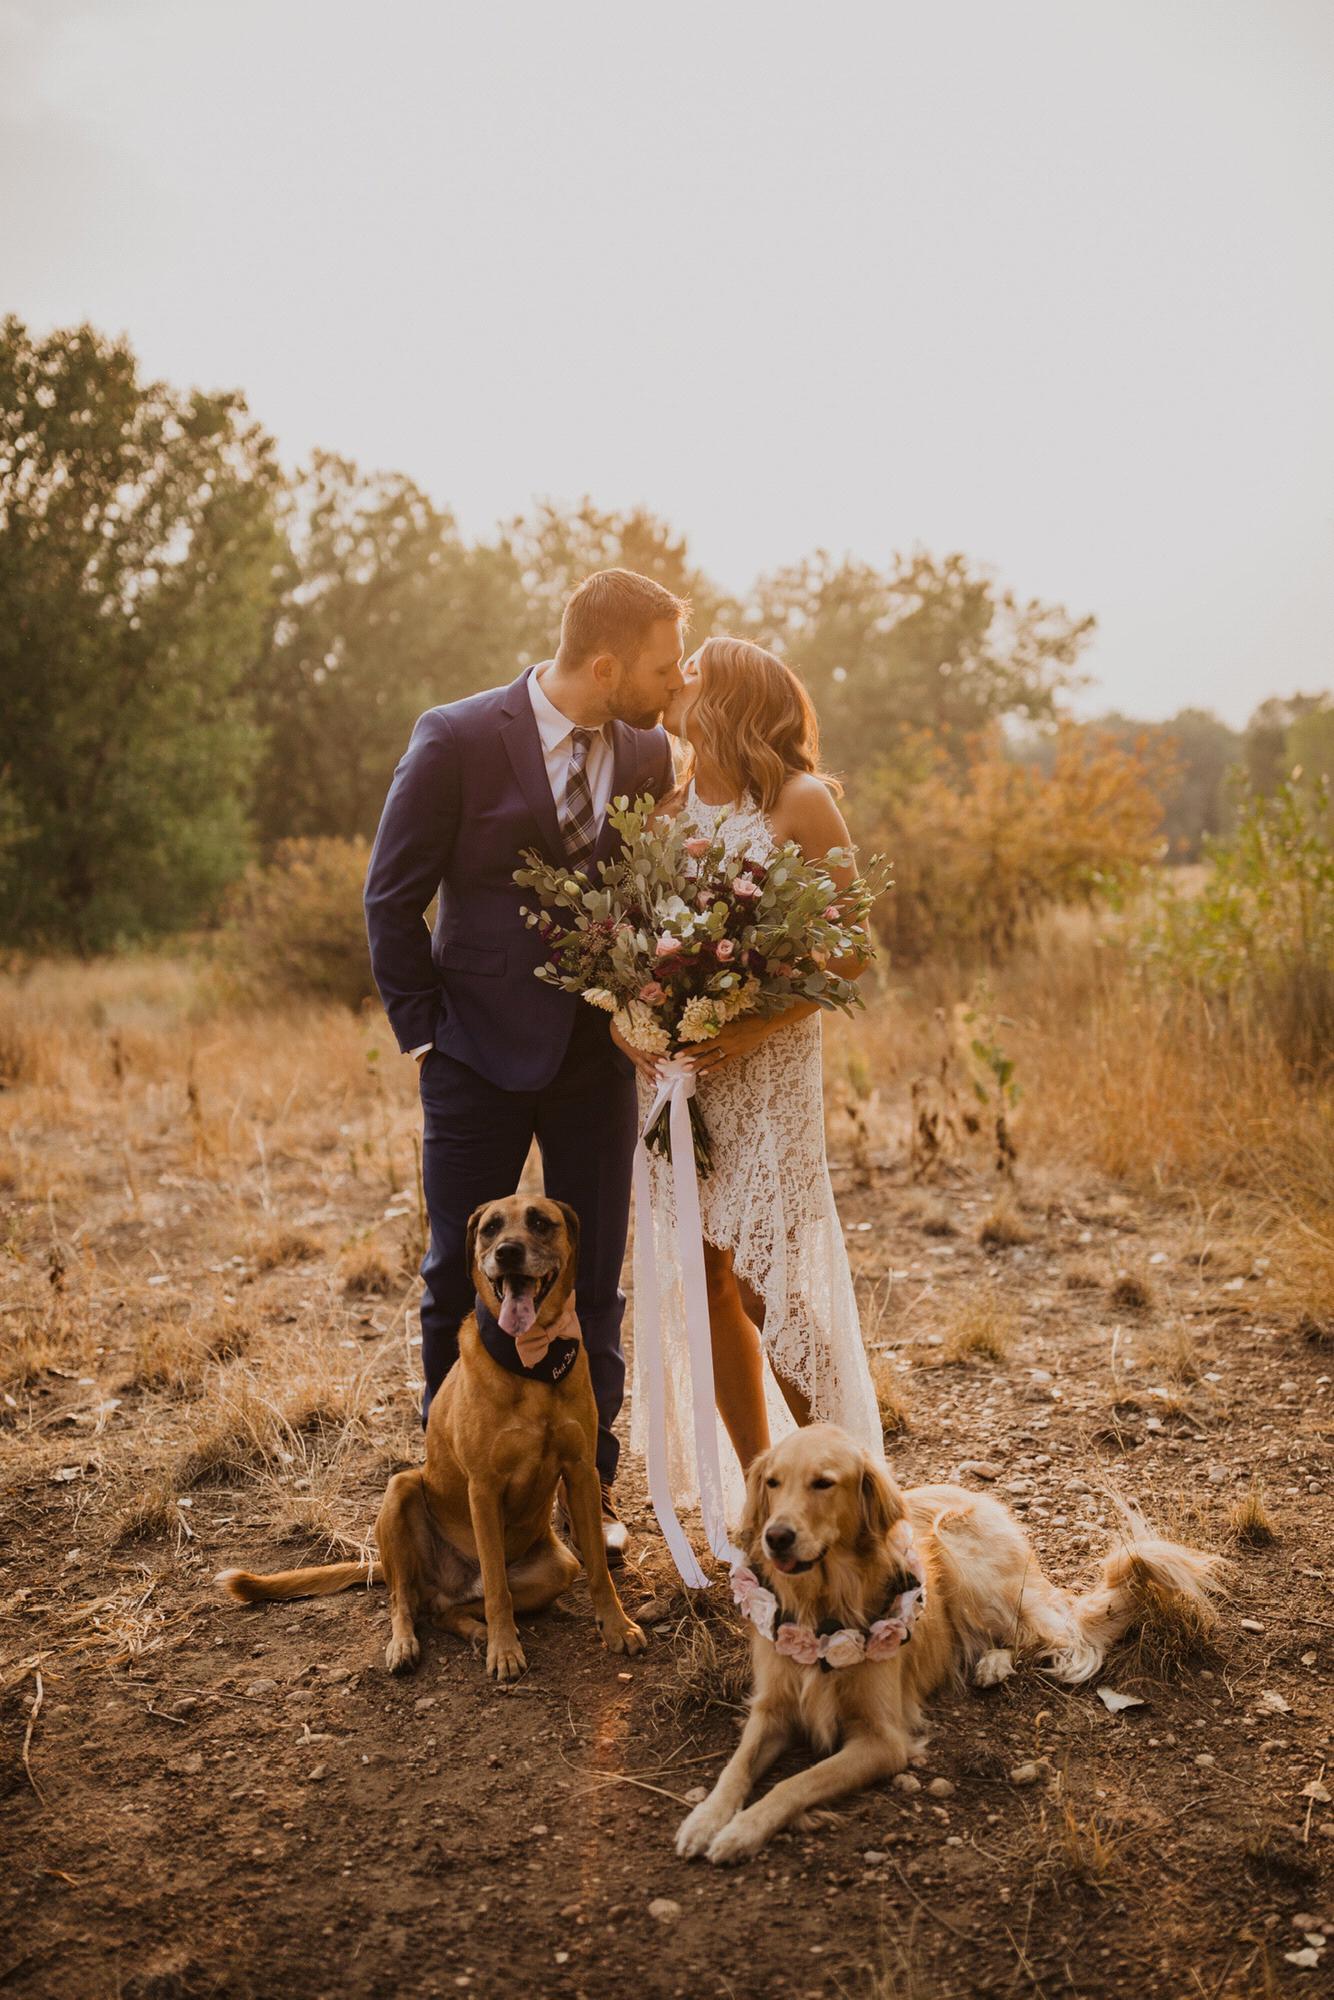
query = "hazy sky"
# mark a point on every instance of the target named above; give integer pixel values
(1049, 281)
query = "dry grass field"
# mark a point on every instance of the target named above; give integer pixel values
(208, 1229)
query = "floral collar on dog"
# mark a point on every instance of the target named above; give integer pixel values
(829, 1645)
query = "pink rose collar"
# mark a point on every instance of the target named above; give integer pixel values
(833, 1646)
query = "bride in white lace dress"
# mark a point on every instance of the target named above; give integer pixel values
(787, 1342)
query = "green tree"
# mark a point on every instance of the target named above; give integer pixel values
(1310, 745)
(389, 613)
(375, 627)
(1265, 746)
(933, 644)
(138, 566)
(1192, 759)
(553, 548)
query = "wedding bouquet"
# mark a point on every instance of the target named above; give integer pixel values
(677, 938)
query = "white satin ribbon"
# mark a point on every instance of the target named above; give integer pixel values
(676, 1087)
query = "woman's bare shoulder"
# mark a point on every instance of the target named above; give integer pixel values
(807, 812)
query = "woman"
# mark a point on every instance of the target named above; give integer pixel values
(779, 1285)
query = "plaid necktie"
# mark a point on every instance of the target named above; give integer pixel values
(578, 822)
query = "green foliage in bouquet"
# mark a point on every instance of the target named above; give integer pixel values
(676, 937)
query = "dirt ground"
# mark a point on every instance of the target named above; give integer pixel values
(202, 1800)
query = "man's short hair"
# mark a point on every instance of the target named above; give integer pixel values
(612, 611)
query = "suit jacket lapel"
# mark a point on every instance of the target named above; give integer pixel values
(523, 746)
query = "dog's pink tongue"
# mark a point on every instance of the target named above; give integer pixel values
(516, 1313)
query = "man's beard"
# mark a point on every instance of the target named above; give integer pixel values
(638, 718)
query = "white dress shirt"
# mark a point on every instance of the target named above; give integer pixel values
(556, 734)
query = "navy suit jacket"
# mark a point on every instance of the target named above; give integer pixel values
(469, 795)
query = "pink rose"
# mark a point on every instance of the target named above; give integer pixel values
(724, 948)
(697, 847)
(744, 1584)
(832, 914)
(746, 887)
(844, 1649)
(799, 1643)
(652, 994)
(758, 1604)
(884, 1638)
(667, 944)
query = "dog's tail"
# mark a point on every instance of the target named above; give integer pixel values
(1145, 1582)
(323, 1581)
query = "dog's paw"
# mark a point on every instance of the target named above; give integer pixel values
(993, 1668)
(696, 1833)
(402, 1655)
(739, 1840)
(626, 1638)
(504, 1658)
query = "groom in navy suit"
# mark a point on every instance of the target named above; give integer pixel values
(505, 1059)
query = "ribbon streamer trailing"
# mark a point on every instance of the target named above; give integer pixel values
(676, 1087)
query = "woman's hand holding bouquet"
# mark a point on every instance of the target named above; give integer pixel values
(677, 939)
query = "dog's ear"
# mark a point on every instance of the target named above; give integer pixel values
(757, 1503)
(881, 1503)
(470, 1239)
(572, 1231)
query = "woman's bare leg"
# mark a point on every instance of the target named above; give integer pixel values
(736, 1315)
(796, 1399)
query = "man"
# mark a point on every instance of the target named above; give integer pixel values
(504, 1058)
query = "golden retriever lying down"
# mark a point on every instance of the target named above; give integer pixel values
(865, 1598)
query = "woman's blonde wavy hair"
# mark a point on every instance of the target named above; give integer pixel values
(757, 720)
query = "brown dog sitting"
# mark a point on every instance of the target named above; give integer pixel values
(469, 1535)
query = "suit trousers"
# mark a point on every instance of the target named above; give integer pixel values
(475, 1140)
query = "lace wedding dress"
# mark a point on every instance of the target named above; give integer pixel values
(769, 1201)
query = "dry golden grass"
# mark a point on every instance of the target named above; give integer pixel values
(932, 1216)
(980, 1326)
(711, 1657)
(1132, 1293)
(891, 1396)
(905, 1969)
(1250, 1521)
(159, 1140)
(26, 1355)
(278, 1247)
(174, 1353)
(368, 1271)
(1083, 1275)
(290, 1448)
(1088, 1850)
(1172, 1347)
(1004, 1228)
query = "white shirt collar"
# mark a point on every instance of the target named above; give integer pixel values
(553, 727)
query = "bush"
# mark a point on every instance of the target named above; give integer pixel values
(980, 850)
(1258, 938)
(295, 930)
